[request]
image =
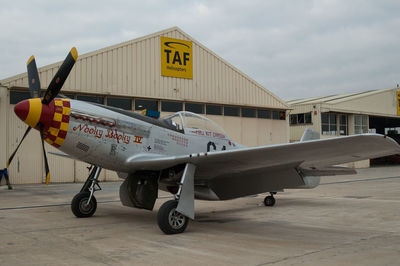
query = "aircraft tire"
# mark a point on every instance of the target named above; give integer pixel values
(269, 201)
(169, 220)
(79, 207)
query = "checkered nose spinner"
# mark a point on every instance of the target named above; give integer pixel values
(52, 119)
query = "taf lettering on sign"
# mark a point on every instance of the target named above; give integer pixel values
(176, 58)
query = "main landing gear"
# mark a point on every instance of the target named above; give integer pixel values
(173, 216)
(270, 200)
(84, 203)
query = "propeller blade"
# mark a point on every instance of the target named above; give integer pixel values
(46, 164)
(13, 154)
(58, 80)
(33, 78)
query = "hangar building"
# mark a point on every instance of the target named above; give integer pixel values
(376, 111)
(167, 71)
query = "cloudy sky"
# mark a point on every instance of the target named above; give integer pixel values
(296, 49)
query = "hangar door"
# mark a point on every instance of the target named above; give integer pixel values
(389, 126)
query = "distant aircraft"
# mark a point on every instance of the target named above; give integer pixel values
(185, 154)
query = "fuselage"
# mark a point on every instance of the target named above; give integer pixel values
(109, 137)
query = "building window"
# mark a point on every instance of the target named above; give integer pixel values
(360, 124)
(343, 124)
(328, 123)
(92, 99)
(231, 111)
(248, 112)
(171, 106)
(197, 108)
(279, 115)
(300, 119)
(17, 96)
(264, 114)
(122, 103)
(275, 115)
(282, 115)
(141, 104)
(213, 109)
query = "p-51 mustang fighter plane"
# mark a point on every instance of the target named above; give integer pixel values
(186, 154)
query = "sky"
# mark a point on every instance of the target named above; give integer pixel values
(294, 48)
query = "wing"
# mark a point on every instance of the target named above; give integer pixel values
(255, 170)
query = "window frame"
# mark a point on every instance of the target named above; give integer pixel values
(145, 102)
(22, 95)
(362, 126)
(301, 119)
(233, 111)
(268, 112)
(119, 106)
(195, 104)
(249, 112)
(331, 124)
(168, 106)
(209, 112)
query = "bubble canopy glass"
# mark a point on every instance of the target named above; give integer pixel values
(182, 120)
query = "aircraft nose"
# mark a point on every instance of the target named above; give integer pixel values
(32, 111)
(22, 109)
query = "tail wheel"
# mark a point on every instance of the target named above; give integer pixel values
(169, 220)
(269, 201)
(80, 206)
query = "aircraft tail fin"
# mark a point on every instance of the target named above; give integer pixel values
(309, 134)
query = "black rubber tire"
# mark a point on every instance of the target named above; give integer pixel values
(269, 201)
(78, 205)
(171, 225)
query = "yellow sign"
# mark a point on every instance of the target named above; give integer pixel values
(398, 102)
(176, 58)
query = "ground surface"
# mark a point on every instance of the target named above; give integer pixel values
(348, 220)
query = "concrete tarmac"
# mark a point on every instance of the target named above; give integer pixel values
(347, 220)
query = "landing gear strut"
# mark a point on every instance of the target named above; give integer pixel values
(270, 200)
(173, 216)
(84, 204)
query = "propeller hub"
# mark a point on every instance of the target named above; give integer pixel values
(32, 111)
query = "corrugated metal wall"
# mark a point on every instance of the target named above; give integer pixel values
(133, 68)
(377, 103)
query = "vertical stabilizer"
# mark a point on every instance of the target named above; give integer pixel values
(309, 134)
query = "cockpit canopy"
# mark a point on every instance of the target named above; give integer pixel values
(183, 119)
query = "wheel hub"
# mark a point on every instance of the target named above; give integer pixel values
(176, 219)
(84, 206)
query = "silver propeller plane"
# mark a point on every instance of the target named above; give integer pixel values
(185, 154)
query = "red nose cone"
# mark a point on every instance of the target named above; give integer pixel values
(22, 109)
